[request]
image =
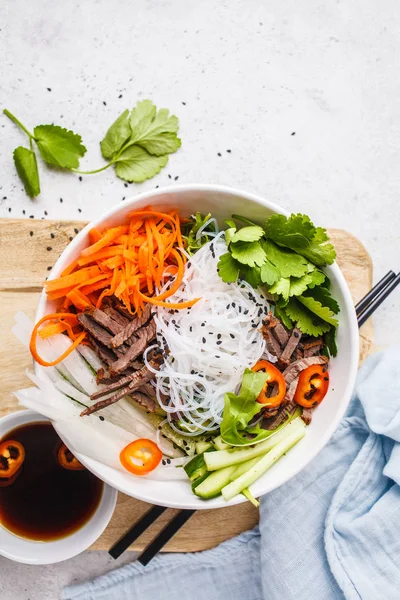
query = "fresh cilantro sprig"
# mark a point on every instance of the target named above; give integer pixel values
(137, 144)
(190, 230)
(284, 257)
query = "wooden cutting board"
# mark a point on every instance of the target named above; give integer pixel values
(28, 250)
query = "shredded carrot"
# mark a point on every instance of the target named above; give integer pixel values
(58, 317)
(131, 261)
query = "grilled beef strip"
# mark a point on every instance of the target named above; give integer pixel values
(95, 330)
(144, 400)
(106, 354)
(105, 320)
(283, 413)
(148, 389)
(281, 334)
(143, 336)
(272, 343)
(114, 314)
(293, 371)
(313, 351)
(307, 415)
(135, 382)
(295, 337)
(131, 327)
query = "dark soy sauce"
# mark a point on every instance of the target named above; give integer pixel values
(46, 502)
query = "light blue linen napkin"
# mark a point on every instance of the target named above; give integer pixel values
(332, 532)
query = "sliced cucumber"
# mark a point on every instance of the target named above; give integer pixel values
(247, 494)
(226, 458)
(220, 445)
(244, 481)
(244, 467)
(213, 484)
(203, 446)
(196, 467)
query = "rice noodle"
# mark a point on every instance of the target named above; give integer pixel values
(209, 345)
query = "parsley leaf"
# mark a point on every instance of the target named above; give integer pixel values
(116, 136)
(323, 312)
(298, 233)
(287, 262)
(58, 146)
(135, 164)
(26, 165)
(228, 268)
(248, 253)
(154, 131)
(248, 234)
(305, 320)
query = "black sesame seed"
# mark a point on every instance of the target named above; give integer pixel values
(105, 103)
(229, 151)
(49, 89)
(260, 312)
(184, 103)
(246, 312)
(120, 96)
(293, 133)
(125, 184)
(52, 236)
(233, 304)
(217, 356)
(76, 230)
(296, 334)
(210, 333)
(219, 342)
(240, 309)
(70, 238)
(45, 212)
(49, 248)
(192, 372)
(219, 336)
(23, 212)
(254, 342)
(203, 324)
(49, 268)
(219, 154)
(31, 216)
(190, 328)
(61, 200)
(232, 336)
(203, 340)
(79, 210)
(101, 418)
(176, 178)
(254, 325)
(163, 462)
(80, 177)
(168, 461)
(228, 306)
(169, 176)
(9, 210)
(31, 233)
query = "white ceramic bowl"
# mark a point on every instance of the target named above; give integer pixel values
(222, 202)
(44, 553)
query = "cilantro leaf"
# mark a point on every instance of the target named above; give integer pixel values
(287, 262)
(248, 234)
(240, 409)
(229, 233)
(228, 268)
(191, 228)
(26, 165)
(323, 312)
(281, 314)
(281, 287)
(154, 131)
(305, 320)
(116, 136)
(320, 251)
(248, 253)
(58, 146)
(298, 233)
(293, 232)
(135, 164)
(298, 285)
(251, 274)
(317, 278)
(323, 295)
(269, 273)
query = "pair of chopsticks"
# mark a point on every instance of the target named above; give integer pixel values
(364, 310)
(376, 296)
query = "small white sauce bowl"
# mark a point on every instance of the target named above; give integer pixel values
(44, 553)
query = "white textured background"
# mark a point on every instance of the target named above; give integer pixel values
(306, 95)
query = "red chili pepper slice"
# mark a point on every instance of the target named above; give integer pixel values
(274, 377)
(312, 386)
(12, 455)
(67, 460)
(140, 457)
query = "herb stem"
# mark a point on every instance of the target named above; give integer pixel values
(95, 171)
(17, 122)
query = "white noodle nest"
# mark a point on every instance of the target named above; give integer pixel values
(209, 345)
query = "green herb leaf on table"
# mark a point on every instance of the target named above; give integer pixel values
(228, 268)
(154, 131)
(305, 320)
(248, 253)
(58, 146)
(118, 133)
(248, 234)
(26, 165)
(137, 165)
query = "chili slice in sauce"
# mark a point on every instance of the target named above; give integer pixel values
(274, 377)
(67, 460)
(140, 457)
(312, 386)
(12, 455)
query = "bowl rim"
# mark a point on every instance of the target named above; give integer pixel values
(94, 465)
(66, 547)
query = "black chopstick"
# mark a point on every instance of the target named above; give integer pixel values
(377, 301)
(138, 528)
(362, 305)
(166, 534)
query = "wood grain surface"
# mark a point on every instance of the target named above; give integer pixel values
(27, 250)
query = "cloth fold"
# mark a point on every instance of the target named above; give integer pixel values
(331, 532)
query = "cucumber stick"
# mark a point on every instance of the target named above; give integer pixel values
(203, 447)
(244, 467)
(219, 444)
(196, 467)
(247, 494)
(213, 484)
(244, 481)
(226, 458)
